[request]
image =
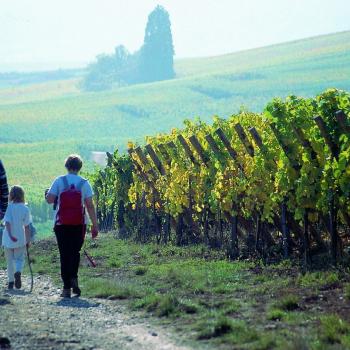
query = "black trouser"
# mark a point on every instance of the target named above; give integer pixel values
(70, 239)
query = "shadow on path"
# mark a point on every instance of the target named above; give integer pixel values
(8, 292)
(77, 303)
(4, 301)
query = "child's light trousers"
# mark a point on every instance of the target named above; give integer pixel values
(15, 258)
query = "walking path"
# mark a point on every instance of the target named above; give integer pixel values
(42, 320)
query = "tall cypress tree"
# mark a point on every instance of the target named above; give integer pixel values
(157, 52)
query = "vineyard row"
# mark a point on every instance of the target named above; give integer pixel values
(267, 185)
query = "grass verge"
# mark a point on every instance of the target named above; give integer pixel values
(211, 301)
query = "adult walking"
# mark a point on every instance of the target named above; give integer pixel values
(72, 197)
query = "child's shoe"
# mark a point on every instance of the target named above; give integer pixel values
(66, 293)
(10, 285)
(18, 281)
(75, 287)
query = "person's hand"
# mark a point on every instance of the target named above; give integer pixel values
(13, 238)
(28, 245)
(46, 192)
(94, 231)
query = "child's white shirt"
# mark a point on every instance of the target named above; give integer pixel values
(18, 216)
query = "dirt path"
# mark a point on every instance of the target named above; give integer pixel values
(42, 320)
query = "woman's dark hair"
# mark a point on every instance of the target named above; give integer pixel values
(73, 163)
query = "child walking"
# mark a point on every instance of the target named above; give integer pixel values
(16, 235)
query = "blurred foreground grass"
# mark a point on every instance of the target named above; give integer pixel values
(211, 301)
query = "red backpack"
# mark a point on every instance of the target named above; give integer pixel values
(71, 210)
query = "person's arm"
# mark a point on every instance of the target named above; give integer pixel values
(90, 207)
(8, 229)
(27, 221)
(52, 193)
(7, 219)
(27, 232)
(50, 198)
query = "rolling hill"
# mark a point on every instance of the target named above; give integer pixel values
(41, 123)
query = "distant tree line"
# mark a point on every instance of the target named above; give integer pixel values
(10, 79)
(154, 61)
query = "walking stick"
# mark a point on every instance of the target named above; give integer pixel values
(30, 269)
(90, 259)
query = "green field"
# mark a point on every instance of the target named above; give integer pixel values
(41, 123)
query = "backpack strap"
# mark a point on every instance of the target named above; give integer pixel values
(65, 182)
(81, 184)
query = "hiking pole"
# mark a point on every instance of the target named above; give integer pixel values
(30, 269)
(90, 259)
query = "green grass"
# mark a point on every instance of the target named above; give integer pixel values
(335, 330)
(318, 279)
(44, 230)
(105, 288)
(275, 315)
(221, 329)
(40, 124)
(347, 291)
(211, 302)
(140, 270)
(288, 303)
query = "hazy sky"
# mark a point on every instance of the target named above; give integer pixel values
(59, 33)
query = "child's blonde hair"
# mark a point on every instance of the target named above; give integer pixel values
(16, 194)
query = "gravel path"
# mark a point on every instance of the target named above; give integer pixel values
(42, 320)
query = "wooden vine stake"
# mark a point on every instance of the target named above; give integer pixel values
(327, 137)
(301, 138)
(298, 132)
(190, 204)
(145, 162)
(335, 239)
(180, 223)
(145, 176)
(334, 149)
(345, 127)
(171, 145)
(137, 166)
(227, 144)
(261, 232)
(342, 121)
(285, 231)
(213, 145)
(109, 158)
(271, 163)
(233, 219)
(258, 240)
(244, 139)
(155, 159)
(163, 151)
(257, 138)
(281, 223)
(199, 149)
(285, 148)
(306, 240)
(296, 166)
(260, 227)
(187, 149)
